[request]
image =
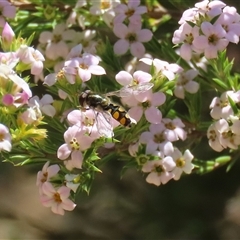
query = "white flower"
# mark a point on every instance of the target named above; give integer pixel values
(5, 139)
(183, 163)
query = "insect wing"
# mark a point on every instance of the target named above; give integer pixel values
(127, 91)
(141, 88)
(104, 124)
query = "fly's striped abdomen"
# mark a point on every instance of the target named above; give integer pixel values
(120, 114)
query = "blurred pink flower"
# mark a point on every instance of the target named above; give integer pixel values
(183, 163)
(160, 170)
(169, 70)
(131, 37)
(156, 139)
(46, 174)
(132, 11)
(212, 41)
(148, 106)
(85, 66)
(76, 141)
(185, 83)
(57, 199)
(5, 139)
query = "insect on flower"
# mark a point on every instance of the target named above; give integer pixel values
(107, 110)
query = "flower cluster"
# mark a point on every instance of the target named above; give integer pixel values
(225, 131)
(57, 199)
(207, 28)
(132, 35)
(60, 104)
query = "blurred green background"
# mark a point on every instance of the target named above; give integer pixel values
(195, 207)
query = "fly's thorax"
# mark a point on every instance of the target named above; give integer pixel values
(93, 100)
(83, 99)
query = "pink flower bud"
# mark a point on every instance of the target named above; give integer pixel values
(7, 34)
(7, 100)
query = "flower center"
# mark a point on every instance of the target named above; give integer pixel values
(182, 81)
(44, 178)
(88, 122)
(60, 74)
(146, 104)
(131, 37)
(1, 137)
(141, 159)
(170, 126)
(213, 135)
(83, 66)
(158, 138)
(188, 38)
(57, 198)
(223, 103)
(159, 169)
(213, 39)
(130, 12)
(56, 38)
(74, 144)
(180, 162)
(105, 4)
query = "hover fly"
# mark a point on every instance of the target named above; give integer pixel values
(102, 105)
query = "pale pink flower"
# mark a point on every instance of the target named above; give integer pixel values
(136, 84)
(191, 15)
(214, 136)
(33, 57)
(85, 66)
(101, 6)
(5, 139)
(9, 58)
(131, 37)
(132, 11)
(7, 11)
(211, 8)
(85, 120)
(6, 74)
(230, 135)
(133, 149)
(31, 114)
(156, 139)
(230, 21)
(69, 72)
(76, 141)
(160, 170)
(185, 36)
(212, 40)
(56, 41)
(174, 129)
(7, 35)
(184, 83)
(46, 174)
(57, 199)
(44, 104)
(138, 78)
(183, 163)
(221, 108)
(169, 70)
(148, 106)
(18, 100)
